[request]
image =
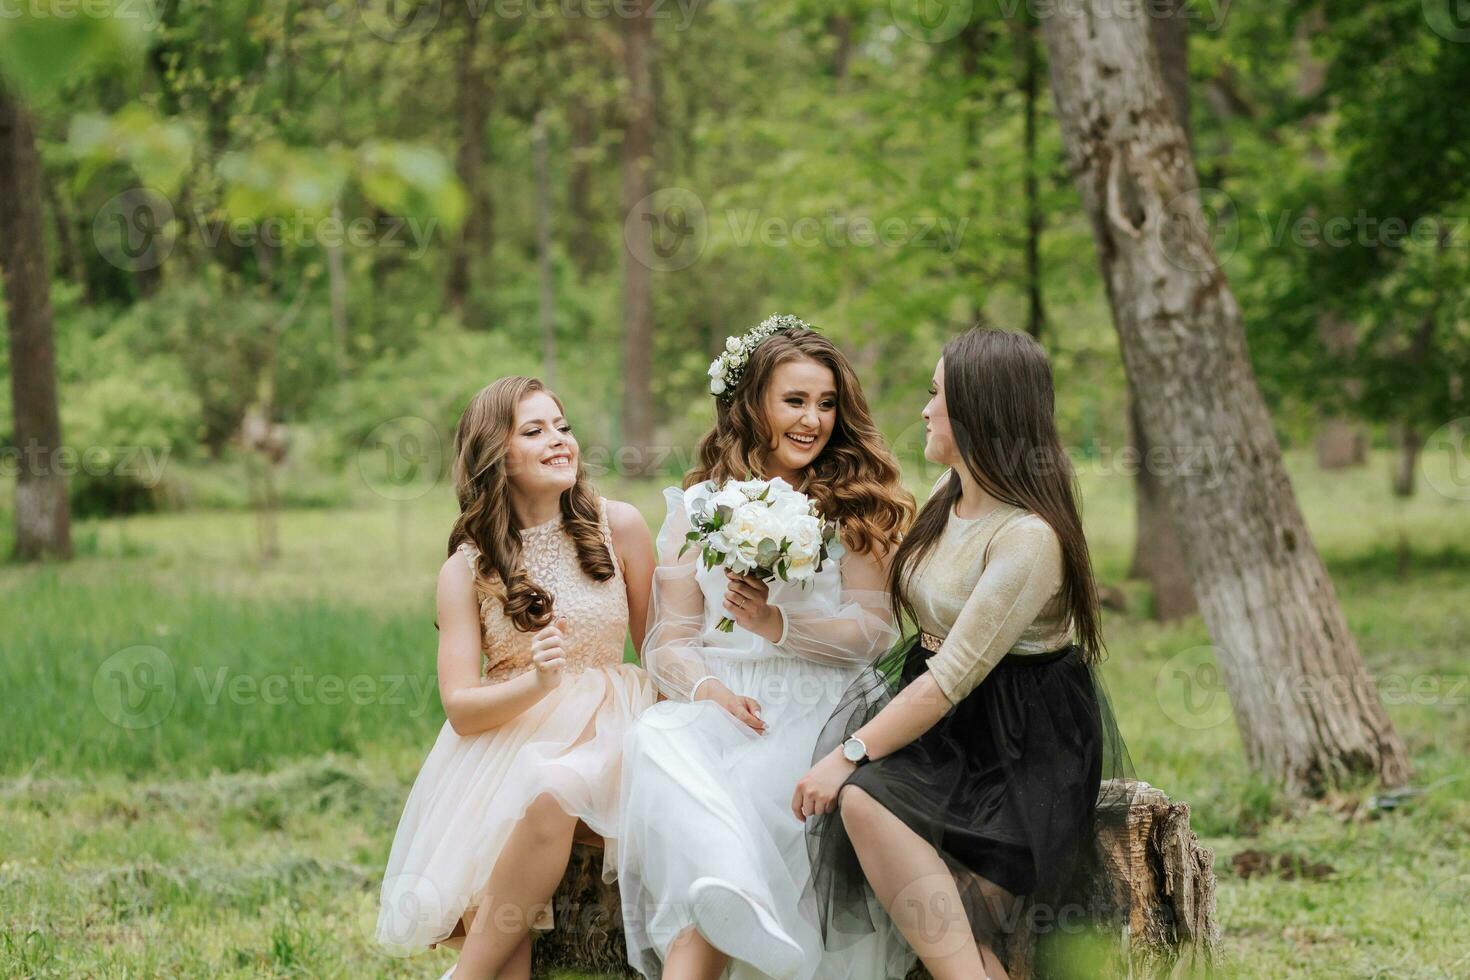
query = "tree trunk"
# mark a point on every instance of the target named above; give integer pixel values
(543, 250)
(1156, 880)
(1157, 554)
(1305, 705)
(337, 293)
(472, 97)
(1410, 442)
(637, 414)
(1035, 219)
(42, 513)
(583, 240)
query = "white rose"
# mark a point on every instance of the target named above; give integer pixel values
(748, 525)
(806, 538)
(732, 344)
(801, 568)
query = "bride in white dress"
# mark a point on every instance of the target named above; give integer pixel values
(713, 869)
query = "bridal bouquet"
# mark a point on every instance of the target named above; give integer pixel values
(763, 528)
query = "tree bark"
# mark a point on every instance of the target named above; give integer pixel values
(583, 241)
(1157, 554)
(1035, 219)
(337, 294)
(545, 272)
(637, 164)
(42, 512)
(1155, 879)
(472, 97)
(1308, 713)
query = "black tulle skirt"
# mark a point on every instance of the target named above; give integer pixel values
(1006, 787)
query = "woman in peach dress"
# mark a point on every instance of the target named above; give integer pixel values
(543, 582)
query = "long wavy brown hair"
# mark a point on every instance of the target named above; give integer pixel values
(1002, 410)
(854, 479)
(486, 520)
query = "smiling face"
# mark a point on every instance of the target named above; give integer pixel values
(542, 455)
(939, 446)
(801, 410)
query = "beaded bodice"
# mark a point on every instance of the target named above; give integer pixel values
(596, 613)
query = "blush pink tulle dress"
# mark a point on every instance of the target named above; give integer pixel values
(472, 790)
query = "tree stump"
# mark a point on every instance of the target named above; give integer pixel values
(1156, 894)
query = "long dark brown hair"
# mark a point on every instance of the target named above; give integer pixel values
(1001, 404)
(486, 520)
(854, 479)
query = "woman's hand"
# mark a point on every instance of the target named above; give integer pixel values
(549, 655)
(745, 710)
(747, 601)
(816, 792)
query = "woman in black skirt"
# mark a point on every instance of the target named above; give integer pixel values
(966, 764)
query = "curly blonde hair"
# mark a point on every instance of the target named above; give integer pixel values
(855, 479)
(486, 522)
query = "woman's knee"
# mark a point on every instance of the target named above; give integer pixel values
(546, 821)
(857, 807)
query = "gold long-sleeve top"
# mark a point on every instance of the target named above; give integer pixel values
(990, 587)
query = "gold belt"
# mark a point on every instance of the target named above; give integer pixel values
(929, 641)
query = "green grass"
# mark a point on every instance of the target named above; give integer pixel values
(208, 830)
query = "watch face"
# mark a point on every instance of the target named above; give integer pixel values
(853, 751)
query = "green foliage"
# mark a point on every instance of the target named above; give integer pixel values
(158, 150)
(45, 44)
(125, 428)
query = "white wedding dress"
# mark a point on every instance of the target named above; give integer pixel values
(708, 836)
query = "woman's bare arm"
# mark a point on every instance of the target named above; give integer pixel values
(471, 706)
(634, 546)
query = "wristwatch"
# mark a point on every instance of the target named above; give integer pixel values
(854, 751)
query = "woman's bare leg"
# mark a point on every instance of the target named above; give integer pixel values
(691, 957)
(530, 867)
(916, 888)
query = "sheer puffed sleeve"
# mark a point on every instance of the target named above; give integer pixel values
(852, 630)
(673, 651)
(1022, 573)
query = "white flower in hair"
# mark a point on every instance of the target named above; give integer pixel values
(726, 370)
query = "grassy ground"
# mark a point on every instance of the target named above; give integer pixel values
(204, 756)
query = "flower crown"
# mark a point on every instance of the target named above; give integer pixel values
(726, 370)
